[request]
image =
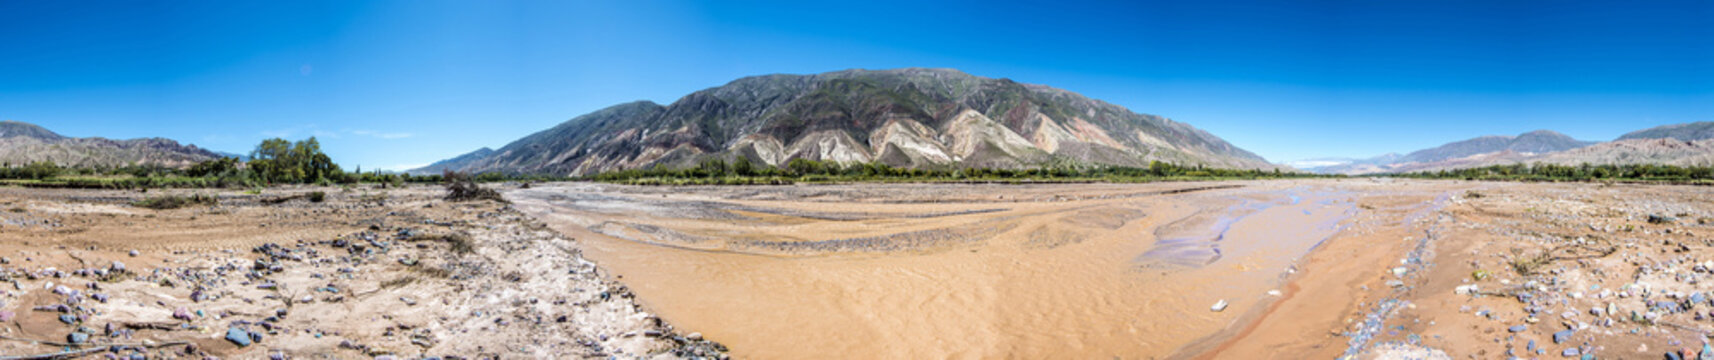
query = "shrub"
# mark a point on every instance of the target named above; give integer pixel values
(317, 196)
(463, 187)
(175, 201)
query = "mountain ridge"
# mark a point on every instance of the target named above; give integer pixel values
(912, 117)
(22, 143)
(1675, 144)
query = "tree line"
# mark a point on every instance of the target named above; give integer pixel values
(274, 161)
(1582, 172)
(742, 171)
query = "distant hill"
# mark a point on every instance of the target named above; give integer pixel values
(22, 143)
(925, 118)
(1539, 141)
(1459, 152)
(454, 163)
(1679, 144)
(1685, 132)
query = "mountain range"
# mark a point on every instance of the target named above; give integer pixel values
(22, 143)
(1677, 144)
(914, 117)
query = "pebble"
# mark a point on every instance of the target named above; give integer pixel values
(1517, 328)
(1219, 306)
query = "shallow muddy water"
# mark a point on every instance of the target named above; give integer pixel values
(948, 271)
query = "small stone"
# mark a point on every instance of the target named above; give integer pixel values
(1569, 352)
(134, 253)
(181, 314)
(695, 336)
(6, 316)
(77, 338)
(1218, 306)
(117, 267)
(68, 318)
(1517, 328)
(1562, 336)
(238, 336)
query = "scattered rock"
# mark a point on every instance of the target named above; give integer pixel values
(238, 336)
(77, 338)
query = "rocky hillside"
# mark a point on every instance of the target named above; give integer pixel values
(22, 143)
(903, 117)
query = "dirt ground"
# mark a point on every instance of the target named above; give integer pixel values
(369, 272)
(1358, 268)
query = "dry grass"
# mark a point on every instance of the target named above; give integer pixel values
(458, 241)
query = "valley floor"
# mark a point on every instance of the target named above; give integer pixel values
(1367, 268)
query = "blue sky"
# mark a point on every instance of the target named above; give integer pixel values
(397, 84)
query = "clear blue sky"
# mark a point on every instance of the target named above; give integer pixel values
(396, 84)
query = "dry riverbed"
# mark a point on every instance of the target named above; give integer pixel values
(382, 273)
(1359, 268)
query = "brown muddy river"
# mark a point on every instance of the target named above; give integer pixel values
(951, 271)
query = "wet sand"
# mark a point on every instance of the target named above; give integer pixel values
(989, 271)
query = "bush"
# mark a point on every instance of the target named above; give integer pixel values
(463, 187)
(175, 201)
(317, 196)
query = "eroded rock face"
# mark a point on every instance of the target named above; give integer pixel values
(903, 117)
